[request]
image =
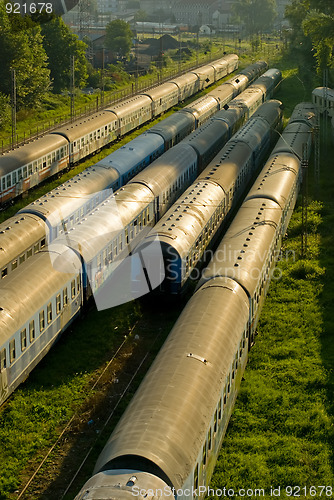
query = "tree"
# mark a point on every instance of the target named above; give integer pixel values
(119, 37)
(21, 48)
(313, 28)
(257, 15)
(320, 28)
(60, 44)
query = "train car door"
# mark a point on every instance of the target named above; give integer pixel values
(3, 385)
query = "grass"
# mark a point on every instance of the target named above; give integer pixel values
(281, 433)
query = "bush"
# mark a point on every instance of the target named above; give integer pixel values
(4, 110)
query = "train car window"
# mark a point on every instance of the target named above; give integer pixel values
(19, 173)
(9, 181)
(3, 359)
(49, 313)
(210, 440)
(58, 304)
(49, 160)
(14, 265)
(220, 409)
(204, 454)
(215, 422)
(14, 177)
(73, 288)
(32, 330)
(120, 242)
(41, 321)
(65, 297)
(22, 258)
(25, 172)
(53, 157)
(39, 165)
(148, 214)
(23, 336)
(4, 272)
(195, 479)
(3, 183)
(115, 247)
(126, 235)
(12, 351)
(36, 248)
(43, 243)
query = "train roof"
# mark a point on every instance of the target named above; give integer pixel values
(182, 224)
(201, 138)
(109, 219)
(18, 157)
(276, 179)
(246, 244)
(183, 386)
(168, 127)
(33, 284)
(321, 92)
(163, 172)
(127, 156)
(16, 238)
(85, 126)
(304, 112)
(161, 90)
(66, 199)
(293, 139)
(198, 107)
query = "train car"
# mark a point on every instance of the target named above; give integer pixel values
(174, 426)
(25, 167)
(323, 99)
(36, 305)
(194, 221)
(89, 134)
(28, 165)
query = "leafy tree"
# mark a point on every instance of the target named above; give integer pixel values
(21, 48)
(141, 15)
(257, 15)
(313, 28)
(60, 44)
(4, 110)
(119, 37)
(320, 28)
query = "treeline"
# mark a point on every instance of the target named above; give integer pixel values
(39, 49)
(312, 23)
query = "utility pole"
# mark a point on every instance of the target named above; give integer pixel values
(102, 78)
(72, 86)
(13, 105)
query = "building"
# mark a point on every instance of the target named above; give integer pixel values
(194, 12)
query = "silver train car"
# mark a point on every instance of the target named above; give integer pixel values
(110, 232)
(323, 100)
(28, 165)
(174, 426)
(72, 201)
